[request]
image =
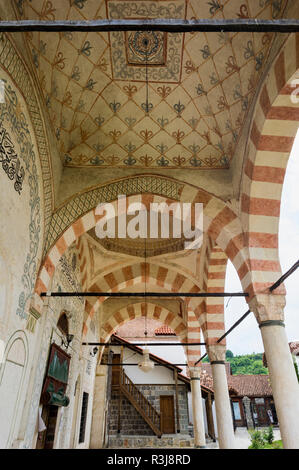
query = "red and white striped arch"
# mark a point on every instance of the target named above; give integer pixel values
(141, 309)
(139, 274)
(220, 222)
(272, 134)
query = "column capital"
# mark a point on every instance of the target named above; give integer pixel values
(216, 352)
(195, 372)
(268, 307)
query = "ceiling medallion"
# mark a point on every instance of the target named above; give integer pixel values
(149, 46)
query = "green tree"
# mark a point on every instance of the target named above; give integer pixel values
(229, 354)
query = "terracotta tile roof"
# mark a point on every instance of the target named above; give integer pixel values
(165, 331)
(239, 385)
(250, 385)
(294, 347)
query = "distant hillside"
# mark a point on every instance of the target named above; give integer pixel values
(248, 364)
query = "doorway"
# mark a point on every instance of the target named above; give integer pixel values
(49, 416)
(167, 414)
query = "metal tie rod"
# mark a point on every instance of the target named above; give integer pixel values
(288, 25)
(271, 289)
(144, 344)
(144, 294)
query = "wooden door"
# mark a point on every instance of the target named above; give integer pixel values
(115, 369)
(167, 414)
(46, 438)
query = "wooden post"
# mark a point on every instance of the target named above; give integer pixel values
(177, 402)
(210, 420)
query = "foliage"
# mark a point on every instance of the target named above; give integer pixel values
(229, 354)
(248, 364)
(264, 440)
(251, 364)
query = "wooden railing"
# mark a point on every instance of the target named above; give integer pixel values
(140, 403)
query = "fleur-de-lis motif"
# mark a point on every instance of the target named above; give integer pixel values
(179, 108)
(238, 96)
(243, 12)
(83, 158)
(231, 65)
(75, 73)
(67, 158)
(210, 161)
(115, 134)
(259, 61)
(130, 160)
(99, 120)
(130, 121)
(162, 148)
(130, 147)
(102, 64)
(114, 106)
(179, 161)
(146, 160)
(130, 90)
(80, 106)
(48, 101)
(200, 90)
(57, 133)
(90, 84)
(229, 127)
(147, 107)
(66, 34)
(239, 120)
(84, 134)
(214, 79)
(146, 135)
(162, 161)
(59, 61)
(163, 121)
(190, 67)
(195, 161)
(194, 148)
(97, 160)
(47, 12)
(193, 122)
(215, 5)
(266, 38)
(248, 50)
(112, 160)
(78, 3)
(98, 147)
(85, 49)
(178, 135)
(222, 104)
(164, 91)
(224, 160)
(205, 52)
(67, 99)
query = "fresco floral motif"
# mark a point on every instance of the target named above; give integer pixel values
(200, 85)
(12, 117)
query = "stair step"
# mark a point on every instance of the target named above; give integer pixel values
(140, 442)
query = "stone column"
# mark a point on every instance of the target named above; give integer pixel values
(226, 436)
(198, 419)
(247, 410)
(268, 309)
(99, 408)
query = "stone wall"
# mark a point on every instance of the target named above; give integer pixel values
(131, 422)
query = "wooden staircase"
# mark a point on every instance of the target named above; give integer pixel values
(140, 403)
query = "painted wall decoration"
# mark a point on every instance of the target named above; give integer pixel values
(201, 85)
(13, 117)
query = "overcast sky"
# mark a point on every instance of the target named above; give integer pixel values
(246, 337)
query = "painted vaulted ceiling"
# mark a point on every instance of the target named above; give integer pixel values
(200, 85)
